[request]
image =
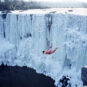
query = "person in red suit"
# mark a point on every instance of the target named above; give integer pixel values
(49, 51)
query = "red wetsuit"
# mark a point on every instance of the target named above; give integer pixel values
(49, 52)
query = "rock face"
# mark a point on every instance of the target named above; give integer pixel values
(23, 77)
(84, 75)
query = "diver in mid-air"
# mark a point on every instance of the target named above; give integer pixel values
(49, 51)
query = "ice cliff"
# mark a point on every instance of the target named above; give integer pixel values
(23, 37)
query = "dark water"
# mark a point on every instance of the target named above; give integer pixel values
(84, 75)
(23, 77)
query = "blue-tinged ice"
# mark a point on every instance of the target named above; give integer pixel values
(23, 37)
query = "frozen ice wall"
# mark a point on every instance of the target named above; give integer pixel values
(25, 36)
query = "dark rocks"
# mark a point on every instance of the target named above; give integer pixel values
(84, 75)
(4, 15)
(70, 10)
(23, 77)
(64, 81)
(28, 35)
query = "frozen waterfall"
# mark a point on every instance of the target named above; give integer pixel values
(23, 37)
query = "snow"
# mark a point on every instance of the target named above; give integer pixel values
(25, 35)
(75, 11)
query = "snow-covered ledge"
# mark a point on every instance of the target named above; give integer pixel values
(75, 11)
(30, 32)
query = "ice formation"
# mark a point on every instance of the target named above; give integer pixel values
(23, 37)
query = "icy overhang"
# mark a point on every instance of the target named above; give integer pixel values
(75, 11)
